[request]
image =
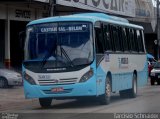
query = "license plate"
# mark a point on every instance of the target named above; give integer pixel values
(59, 89)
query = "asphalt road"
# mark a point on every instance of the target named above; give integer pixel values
(147, 101)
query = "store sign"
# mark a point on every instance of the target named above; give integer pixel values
(120, 7)
(21, 14)
(45, 1)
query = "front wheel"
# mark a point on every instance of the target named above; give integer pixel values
(45, 102)
(105, 98)
(3, 83)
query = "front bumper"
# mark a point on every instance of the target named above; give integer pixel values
(70, 91)
(15, 81)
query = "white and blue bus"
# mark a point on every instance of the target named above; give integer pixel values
(83, 55)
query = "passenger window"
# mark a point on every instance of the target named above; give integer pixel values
(107, 38)
(129, 39)
(125, 40)
(132, 40)
(112, 38)
(136, 41)
(99, 41)
(140, 41)
(116, 39)
(120, 38)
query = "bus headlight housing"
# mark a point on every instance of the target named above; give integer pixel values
(87, 76)
(29, 79)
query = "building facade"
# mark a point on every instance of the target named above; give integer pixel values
(14, 17)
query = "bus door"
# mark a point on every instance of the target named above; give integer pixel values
(99, 47)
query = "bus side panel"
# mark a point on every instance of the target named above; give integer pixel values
(143, 76)
(101, 76)
(122, 67)
(121, 81)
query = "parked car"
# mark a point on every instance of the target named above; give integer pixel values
(155, 74)
(9, 78)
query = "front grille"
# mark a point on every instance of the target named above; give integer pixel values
(58, 82)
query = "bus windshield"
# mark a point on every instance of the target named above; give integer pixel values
(55, 45)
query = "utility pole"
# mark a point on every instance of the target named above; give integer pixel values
(158, 28)
(52, 5)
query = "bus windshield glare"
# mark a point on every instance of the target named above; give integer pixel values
(62, 44)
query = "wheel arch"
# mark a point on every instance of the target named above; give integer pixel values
(4, 78)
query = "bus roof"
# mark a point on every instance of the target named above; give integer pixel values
(89, 17)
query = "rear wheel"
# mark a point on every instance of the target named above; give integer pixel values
(3, 82)
(105, 98)
(130, 93)
(45, 102)
(133, 91)
(152, 81)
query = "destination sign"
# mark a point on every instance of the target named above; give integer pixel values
(65, 28)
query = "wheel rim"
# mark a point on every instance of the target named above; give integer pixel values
(108, 88)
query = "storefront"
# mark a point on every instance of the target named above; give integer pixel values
(2, 41)
(15, 16)
(13, 20)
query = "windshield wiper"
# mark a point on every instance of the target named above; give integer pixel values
(49, 54)
(66, 55)
(44, 60)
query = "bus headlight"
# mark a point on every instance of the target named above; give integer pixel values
(29, 79)
(87, 76)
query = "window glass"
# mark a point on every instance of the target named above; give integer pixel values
(125, 39)
(107, 38)
(140, 41)
(99, 41)
(132, 40)
(121, 40)
(112, 38)
(136, 41)
(116, 38)
(128, 39)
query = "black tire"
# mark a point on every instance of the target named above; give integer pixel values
(105, 98)
(130, 93)
(152, 81)
(45, 102)
(133, 91)
(158, 82)
(3, 82)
